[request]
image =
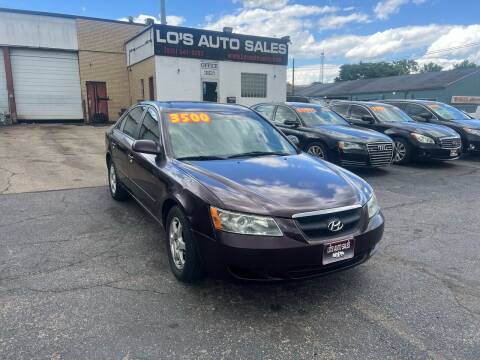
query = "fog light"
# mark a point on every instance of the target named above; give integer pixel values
(471, 147)
(374, 249)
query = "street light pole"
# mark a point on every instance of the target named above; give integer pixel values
(163, 15)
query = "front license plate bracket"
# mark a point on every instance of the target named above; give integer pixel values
(338, 251)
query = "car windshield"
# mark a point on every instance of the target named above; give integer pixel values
(220, 135)
(448, 112)
(314, 115)
(387, 113)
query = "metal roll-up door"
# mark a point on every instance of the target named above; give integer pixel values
(3, 87)
(46, 85)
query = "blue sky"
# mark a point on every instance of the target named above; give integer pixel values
(347, 31)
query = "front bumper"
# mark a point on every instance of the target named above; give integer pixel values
(289, 257)
(472, 144)
(435, 152)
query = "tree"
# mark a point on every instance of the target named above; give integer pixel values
(430, 67)
(368, 71)
(464, 64)
(406, 67)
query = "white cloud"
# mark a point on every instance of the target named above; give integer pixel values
(385, 8)
(266, 4)
(305, 75)
(171, 19)
(337, 21)
(175, 20)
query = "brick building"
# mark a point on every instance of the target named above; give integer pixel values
(73, 68)
(63, 67)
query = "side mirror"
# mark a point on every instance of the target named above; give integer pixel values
(294, 123)
(369, 119)
(147, 147)
(426, 116)
(294, 140)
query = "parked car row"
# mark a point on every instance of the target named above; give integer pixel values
(374, 134)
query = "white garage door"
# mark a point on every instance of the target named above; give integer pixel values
(46, 85)
(3, 86)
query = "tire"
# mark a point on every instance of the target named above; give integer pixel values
(318, 150)
(181, 248)
(117, 190)
(403, 152)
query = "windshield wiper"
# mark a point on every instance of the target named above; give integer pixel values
(257, 153)
(200, 158)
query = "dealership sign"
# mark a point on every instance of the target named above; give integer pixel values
(213, 45)
(475, 100)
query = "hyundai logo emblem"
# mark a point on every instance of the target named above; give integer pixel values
(335, 225)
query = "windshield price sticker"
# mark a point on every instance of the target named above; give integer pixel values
(176, 118)
(306, 110)
(377, 108)
(433, 106)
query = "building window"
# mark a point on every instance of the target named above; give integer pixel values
(254, 85)
(142, 89)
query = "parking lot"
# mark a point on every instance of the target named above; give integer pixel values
(83, 276)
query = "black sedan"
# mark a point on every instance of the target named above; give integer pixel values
(321, 132)
(434, 112)
(235, 197)
(413, 140)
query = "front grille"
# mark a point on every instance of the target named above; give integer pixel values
(451, 143)
(316, 225)
(381, 153)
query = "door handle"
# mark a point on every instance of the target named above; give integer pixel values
(114, 144)
(130, 158)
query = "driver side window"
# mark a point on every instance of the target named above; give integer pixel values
(358, 112)
(149, 129)
(416, 112)
(285, 114)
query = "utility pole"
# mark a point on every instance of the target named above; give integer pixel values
(322, 66)
(293, 76)
(163, 15)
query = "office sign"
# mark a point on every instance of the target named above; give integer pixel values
(209, 70)
(214, 45)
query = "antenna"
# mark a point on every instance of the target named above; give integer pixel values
(322, 66)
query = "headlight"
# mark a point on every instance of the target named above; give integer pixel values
(472, 131)
(372, 206)
(239, 223)
(346, 145)
(423, 139)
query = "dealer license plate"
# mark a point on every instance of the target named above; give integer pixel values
(454, 152)
(338, 251)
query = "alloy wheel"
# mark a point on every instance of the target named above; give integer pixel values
(317, 151)
(177, 244)
(400, 152)
(113, 179)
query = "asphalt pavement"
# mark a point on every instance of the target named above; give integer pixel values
(82, 276)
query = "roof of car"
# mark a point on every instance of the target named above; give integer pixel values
(418, 101)
(358, 102)
(196, 105)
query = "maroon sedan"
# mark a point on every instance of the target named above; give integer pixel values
(235, 197)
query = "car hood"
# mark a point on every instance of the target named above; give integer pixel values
(472, 124)
(436, 131)
(351, 133)
(278, 185)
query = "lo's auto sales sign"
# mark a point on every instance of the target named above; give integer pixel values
(214, 45)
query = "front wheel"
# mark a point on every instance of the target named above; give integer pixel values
(403, 152)
(181, 249)
(317, 150)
